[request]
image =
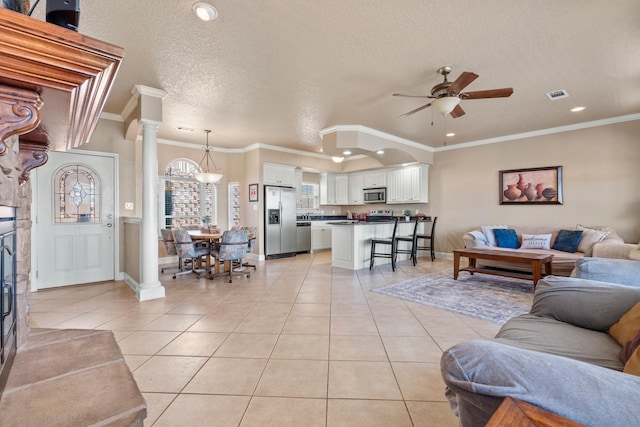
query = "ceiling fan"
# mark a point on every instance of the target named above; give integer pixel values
(447, 95)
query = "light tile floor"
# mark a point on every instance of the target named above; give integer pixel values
(298, 344)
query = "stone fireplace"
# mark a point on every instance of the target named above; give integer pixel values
(53, 86)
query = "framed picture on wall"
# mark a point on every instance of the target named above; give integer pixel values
(536, 186)
(253, 192)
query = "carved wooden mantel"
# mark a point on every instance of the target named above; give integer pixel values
(53, 86)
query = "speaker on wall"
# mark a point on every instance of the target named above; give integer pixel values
(65, 13)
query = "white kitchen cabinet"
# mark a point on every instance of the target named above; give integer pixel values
(374, 179)
(274, 174)
(297, 183)
(356, 184)
(394, 186)
(334, 189)
(342, 189)
(320, 236)
(408, 185)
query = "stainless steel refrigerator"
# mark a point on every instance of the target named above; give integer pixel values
(279, 221)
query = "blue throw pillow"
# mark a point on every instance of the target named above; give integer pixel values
(506, 238)
(568, 240)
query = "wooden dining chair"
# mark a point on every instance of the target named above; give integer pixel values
(427, 241)
(412, 240)
(385, 242)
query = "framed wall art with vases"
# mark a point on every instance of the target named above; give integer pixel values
(534, 186)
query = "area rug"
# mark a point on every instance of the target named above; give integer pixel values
(486, 297)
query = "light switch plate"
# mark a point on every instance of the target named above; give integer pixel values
(128, 206)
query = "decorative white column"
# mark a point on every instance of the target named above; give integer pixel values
(150, 287)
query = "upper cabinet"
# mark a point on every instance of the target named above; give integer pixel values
(297, 183)
(373, 179)
(274, 174)
(334, 189)
(408, 185)
(356, 185)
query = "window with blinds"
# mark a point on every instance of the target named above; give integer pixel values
(310, 198)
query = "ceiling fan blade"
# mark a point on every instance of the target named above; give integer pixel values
(413, 96)
(462, 81)
(457, 112)
(416, 110)
(491, 93)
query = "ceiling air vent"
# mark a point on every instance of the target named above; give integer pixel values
(557, 94)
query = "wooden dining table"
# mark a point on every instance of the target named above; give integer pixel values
(211, 238)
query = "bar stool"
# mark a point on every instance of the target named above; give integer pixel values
(411, 250)
(385, 242)
(429, 238)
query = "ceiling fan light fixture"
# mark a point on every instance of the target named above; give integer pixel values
(205, 11)
(337, 159)
(208, 176)
(446, 104)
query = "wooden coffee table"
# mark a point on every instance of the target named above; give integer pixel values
(536, 261)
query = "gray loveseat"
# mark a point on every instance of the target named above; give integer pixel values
(559, 356)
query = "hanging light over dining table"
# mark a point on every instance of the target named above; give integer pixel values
(209, 176)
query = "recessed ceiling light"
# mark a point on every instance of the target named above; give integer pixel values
(205, 11)
(346, 152)
(450, 134)
(576, 109)
(380, 152)
(185, 129)
(337, 159)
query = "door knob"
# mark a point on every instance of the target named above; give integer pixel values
(109, 225)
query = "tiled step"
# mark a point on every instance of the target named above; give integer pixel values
(71, 377)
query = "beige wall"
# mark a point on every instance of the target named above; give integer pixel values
(600, 175)
(599, 165)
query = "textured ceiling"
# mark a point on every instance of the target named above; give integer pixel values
(278, 71)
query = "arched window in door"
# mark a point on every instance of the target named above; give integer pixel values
(76, 192)
(183, 201)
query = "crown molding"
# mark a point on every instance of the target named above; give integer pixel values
(541, 132)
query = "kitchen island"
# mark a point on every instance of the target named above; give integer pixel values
(351, 241)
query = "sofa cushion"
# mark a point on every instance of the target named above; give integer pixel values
(635, 254)
(506, 238)
(487, 230)
(551, 336)
(568, 240)
(629, 348)
(536, 241)
(585, 303)
(626, 329)
(590, 237)
(633, 364)
(620, 271)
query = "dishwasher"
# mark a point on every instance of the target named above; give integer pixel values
(303, 235)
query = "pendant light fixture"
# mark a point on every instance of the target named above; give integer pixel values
(208, 176)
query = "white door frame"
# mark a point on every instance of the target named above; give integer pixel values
(117, 274)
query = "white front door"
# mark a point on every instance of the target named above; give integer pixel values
(74, 224)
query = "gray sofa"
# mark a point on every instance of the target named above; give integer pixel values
(562, 263)
(559, 356)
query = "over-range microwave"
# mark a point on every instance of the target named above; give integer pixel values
(375, 195)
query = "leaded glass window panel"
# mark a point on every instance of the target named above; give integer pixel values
(76, 192)
(185, 202)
